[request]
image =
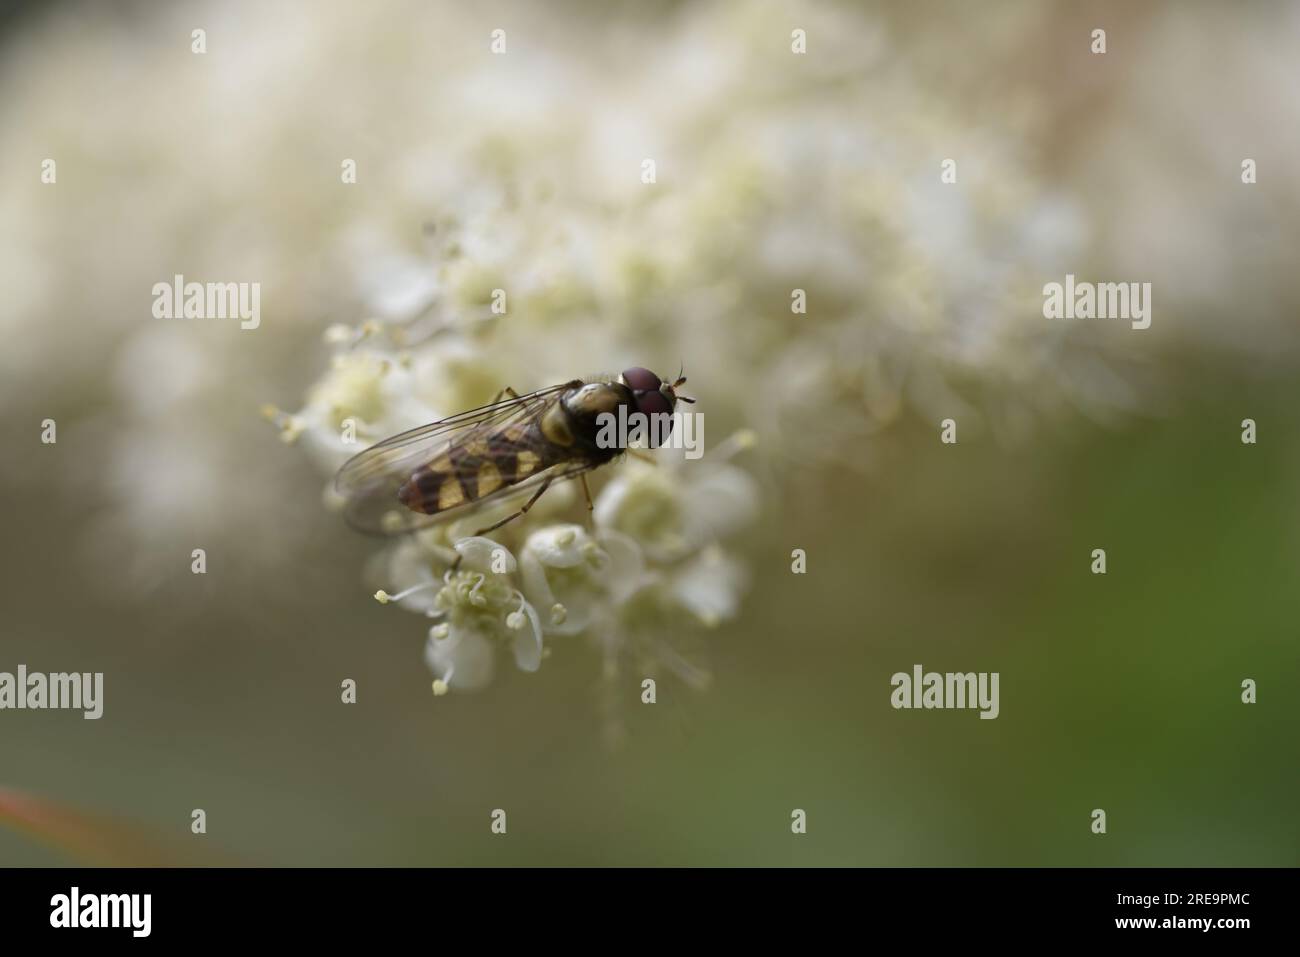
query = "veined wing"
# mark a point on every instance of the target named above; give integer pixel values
(369, 482)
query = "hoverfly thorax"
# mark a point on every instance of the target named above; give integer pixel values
(595, 399)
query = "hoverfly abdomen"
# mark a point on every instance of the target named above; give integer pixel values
(431, 489)
(470, 472)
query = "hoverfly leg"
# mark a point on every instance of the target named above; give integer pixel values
(591, 507)
(506, 391)
(523, 511)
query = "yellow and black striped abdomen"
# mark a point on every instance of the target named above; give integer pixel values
(476, 468)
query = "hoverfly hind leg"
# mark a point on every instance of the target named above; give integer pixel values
(522, 511)
(451, 569)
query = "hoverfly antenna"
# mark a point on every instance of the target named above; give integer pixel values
(681, 379)
(685, 398)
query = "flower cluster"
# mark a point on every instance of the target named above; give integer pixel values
(648, 560)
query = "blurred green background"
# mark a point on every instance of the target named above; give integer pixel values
(1119, 692)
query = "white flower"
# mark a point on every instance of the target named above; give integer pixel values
(476, 604)
(574, 576)
(709, 586)
(673, 512)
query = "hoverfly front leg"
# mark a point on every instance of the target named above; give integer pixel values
(506, 391)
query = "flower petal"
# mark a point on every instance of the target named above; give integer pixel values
(625, 567)
(484, 555)
(709, 587)
(527, 642)
(401, 567)
(560, 546)
(720, 500)
(463, 659)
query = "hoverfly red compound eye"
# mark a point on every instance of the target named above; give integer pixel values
(653, 403)
(657, 409)
(641, 380)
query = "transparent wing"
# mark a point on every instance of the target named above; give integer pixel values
(369, 481)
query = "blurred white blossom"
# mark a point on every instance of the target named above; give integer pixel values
(520, 173)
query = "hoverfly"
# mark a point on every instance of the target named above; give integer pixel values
(507, 448)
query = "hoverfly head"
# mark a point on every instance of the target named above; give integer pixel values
(654, 397)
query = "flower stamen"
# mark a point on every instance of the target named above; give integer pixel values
(517, 619)
(384, 598)
(475, 593)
